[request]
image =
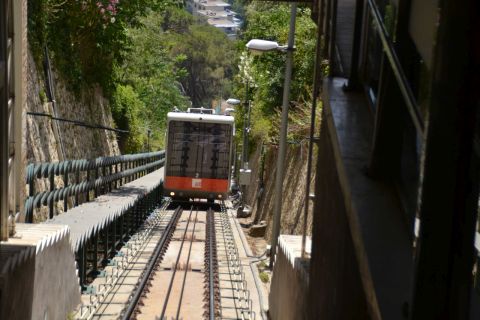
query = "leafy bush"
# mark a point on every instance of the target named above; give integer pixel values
(264, 277)
(147, 55)
(126, 108)
(86, 38)
(172, 58)
(265, 73)
(207, 53)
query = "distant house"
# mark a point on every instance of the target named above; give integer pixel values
(217, 14)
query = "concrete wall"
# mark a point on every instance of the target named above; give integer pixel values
(17, 291)
(288, 291)
(56, 290)
(38, 277)
(336, 291)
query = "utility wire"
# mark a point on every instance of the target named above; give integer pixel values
(76, 122)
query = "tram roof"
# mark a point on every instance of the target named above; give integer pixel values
(199, 117)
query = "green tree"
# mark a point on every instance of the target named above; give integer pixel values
(174, 58)
(265, 73)
(86, 38)
(126, 111)
(208, 57)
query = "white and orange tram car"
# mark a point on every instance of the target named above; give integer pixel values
(198, 155)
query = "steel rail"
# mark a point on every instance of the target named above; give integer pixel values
(185, 274)
(235, 263)
(169, 291)
(211, 240)
(229, 263)
(152, 263)
(140, 239)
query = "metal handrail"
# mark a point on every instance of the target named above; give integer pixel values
(402, 81)
(132, 165)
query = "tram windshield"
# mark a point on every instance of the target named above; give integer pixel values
(198, 149)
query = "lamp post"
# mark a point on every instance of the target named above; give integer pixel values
(246, 132)
(149, 132)
(233, 102)
(259, 46)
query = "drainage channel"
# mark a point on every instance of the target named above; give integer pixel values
(235, 299)
(187, 267)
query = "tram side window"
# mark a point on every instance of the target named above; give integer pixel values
(372, 61)
(476, 266)
(198, 149)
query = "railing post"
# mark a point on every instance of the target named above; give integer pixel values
(103, 186)
(82, 264)
(96, 189)
(122, 180)
(137, 165)
(117, 182)
(65, 185)
(77, 181)
(95, 252)
(134, 165)
(130, 166)
(114, 236)
(87, 195)
(105, 243)
(31, 193)
(51, 178)
(139, 212)
(122, 221)
(111, 185)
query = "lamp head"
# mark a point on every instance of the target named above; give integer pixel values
(228, 111)
(259, 46)
(233, 102)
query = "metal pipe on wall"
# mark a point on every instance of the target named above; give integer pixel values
(3, 124)
(20, 103)
(316, 88)
(277, 212)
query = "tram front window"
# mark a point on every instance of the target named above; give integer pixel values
(198, 149)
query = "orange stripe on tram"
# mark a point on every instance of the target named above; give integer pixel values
(200, 184)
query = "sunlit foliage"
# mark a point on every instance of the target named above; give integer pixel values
(265, 73)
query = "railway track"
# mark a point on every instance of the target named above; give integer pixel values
(187, 268)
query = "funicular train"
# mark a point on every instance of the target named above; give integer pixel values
(198, 155)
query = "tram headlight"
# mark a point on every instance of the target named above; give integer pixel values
(219, 196)
(172, 194)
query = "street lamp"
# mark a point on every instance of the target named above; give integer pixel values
(259, 46)
(233, 102)
(245, 172)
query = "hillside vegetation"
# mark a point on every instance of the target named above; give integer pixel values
(149, 56)
(260, 78)
(146, 56)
